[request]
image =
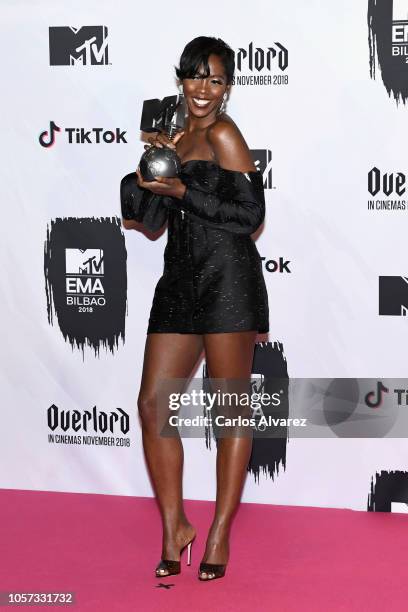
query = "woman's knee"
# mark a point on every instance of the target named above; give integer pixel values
(147, 408)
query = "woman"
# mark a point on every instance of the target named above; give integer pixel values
(212, 294)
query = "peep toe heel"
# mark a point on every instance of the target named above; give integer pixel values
(169, 567)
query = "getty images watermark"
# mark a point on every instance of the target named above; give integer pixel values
(281, 408)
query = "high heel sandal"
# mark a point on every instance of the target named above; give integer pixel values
(215, 570)
(172, 567)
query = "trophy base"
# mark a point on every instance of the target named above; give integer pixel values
(158, 161)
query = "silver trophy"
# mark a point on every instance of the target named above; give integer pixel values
(167, 116)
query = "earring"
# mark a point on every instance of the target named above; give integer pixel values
(180, 88)
(223, 105)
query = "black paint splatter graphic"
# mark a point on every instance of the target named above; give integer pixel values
(388, 487)
(387, 27)
(267, 452)
(86, 281)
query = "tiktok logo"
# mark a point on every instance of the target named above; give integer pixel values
(47, 139)
(371, 400)
(74, 135)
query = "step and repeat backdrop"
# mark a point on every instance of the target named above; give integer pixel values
(320, 94)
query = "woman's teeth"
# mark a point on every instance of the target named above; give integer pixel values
(200, 102)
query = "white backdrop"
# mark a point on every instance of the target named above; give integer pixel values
(326, 128)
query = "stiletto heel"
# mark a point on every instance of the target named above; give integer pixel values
(171, 567)
(189, 545)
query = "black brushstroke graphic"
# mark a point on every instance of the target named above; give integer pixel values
(268, 453)
(394, 69)
(105, 324)
(389, 487)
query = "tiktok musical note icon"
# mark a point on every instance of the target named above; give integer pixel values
(49, 134)
(371, 400)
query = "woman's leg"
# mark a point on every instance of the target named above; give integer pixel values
(228, 355)
(166, 356)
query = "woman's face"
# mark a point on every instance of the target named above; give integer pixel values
(204, 95)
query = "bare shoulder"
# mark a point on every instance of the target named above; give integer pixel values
(229, 146)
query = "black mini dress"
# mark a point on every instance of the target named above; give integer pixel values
(212, 279)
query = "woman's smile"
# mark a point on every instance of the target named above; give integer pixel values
(201, 102)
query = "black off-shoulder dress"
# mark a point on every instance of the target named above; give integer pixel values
(212, 279)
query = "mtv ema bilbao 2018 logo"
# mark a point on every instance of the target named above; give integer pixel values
(86, 280)
(388, 45)
(83, 46)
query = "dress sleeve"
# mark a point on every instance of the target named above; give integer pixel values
(141, 204)
(226, 199)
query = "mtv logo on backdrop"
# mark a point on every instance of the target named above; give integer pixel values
(393, 295)
(262, 159)
(257, 382)
(86, 262)
(85, 46)
(400, 10)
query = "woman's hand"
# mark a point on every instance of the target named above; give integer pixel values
(162, 140)
(172, 187)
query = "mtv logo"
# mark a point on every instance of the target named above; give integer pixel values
(400, 10)
(393, 295)
(257, 382)
(87, 262)
(87, 45)
(399, 507)
(262, 159)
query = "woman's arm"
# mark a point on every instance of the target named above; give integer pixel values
(233, 197)
(240, 209)
(229, 147)
(141, 205)
(147, 202)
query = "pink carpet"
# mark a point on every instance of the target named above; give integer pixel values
(283, 558)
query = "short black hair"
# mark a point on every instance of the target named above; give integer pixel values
(196, 53)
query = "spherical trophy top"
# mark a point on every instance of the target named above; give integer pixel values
(159, 162)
